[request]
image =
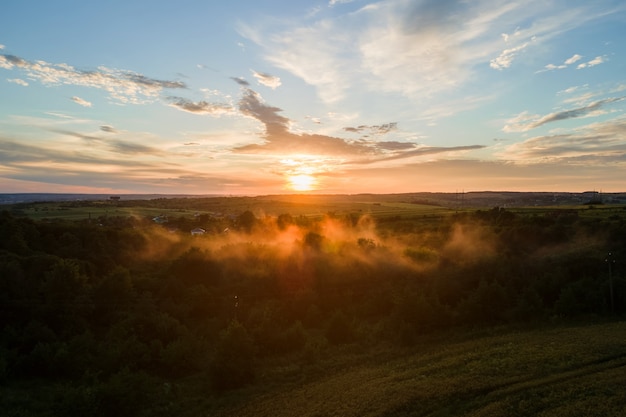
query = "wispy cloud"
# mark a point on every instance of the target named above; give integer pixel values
(201, 107)
(67, 168)
(597, 143)
(505, 59)
(596, 61)
(417, 49)
(81, 101)
(124, 86)
(524, 121)
(18, 81)
(569, 61)
(267, 80)
(116, 146)
(575, 58)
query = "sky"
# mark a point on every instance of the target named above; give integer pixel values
(315, 96)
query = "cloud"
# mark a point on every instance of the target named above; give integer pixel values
(201, 107)
(332, 3)
(505, 59)
(10, 61)
(241, 81)
(597, 143)
(19, 154)
(108, 129)
(375, 129)
(267, 79)
(116, 146)
(524, 122)
(81, 101)
(124, 86)
(572, 60)
(422, 151)
(279, 140)
(393, 145)
(416, 48)
(596, 61)
(18, 81)
(569, 90)
(65, 168)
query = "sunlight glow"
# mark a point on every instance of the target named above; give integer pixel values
(302, 182)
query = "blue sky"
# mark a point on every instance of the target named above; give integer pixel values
(263, 97)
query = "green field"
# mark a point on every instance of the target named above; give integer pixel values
(310, 206)
(412, 206)
(560, 371)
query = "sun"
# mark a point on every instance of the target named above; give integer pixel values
(301, 182)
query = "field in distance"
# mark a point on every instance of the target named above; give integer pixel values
(376, 205)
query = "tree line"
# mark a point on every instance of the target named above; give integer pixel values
(110, 315)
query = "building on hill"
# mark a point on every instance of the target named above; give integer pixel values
(197, 231)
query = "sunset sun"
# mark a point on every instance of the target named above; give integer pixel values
(301, 182)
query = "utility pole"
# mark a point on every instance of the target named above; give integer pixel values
(610, 261)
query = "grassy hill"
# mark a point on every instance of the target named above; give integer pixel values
(560, 371)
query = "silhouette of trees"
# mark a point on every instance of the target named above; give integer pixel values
(84, 307)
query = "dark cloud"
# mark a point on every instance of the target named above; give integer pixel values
(200, 107)
(574, 113)
(151, 82)
(279, 139)
(524, 122)
(251, 104)
(395, 145)
(108, 129)
(240, 81)
(13, 60)
(374, 130)
(422, 151)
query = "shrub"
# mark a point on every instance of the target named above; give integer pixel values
(233, 364)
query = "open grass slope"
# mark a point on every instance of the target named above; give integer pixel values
(566, 371)
(314, 207)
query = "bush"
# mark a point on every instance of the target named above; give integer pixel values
(340, 329)
(233, 364)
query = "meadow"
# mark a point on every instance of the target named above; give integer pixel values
(566, 370)
(312, 305)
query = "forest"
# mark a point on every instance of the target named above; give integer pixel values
(120, 315)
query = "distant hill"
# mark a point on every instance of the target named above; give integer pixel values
(34, 197)
(466, 199)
